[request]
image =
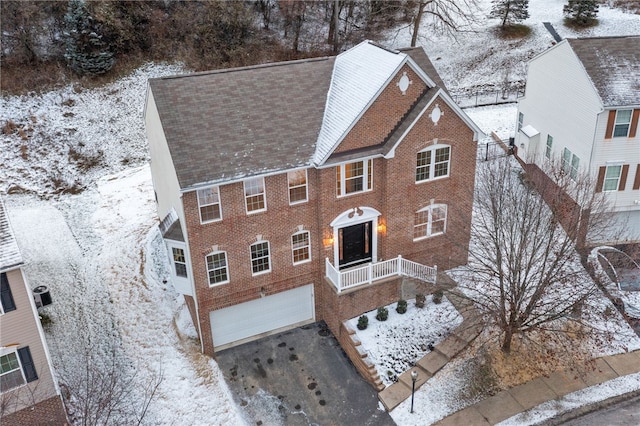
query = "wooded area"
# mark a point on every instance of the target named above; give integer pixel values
(44, 42)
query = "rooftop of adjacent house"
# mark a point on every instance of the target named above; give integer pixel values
(9, 253)
(613, 65)
(229, 124)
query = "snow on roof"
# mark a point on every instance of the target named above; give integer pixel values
(529, 131)
(613, 65)
(9, 252)
(358, 75)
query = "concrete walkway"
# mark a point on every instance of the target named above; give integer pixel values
(509, 402)
(431, 363)
(528, 395)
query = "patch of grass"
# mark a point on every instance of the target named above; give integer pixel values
(514, 31)
(482, 381)
(85, 161)
(580, 25)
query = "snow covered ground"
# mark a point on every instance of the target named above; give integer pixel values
(478, 60)
(81, 203)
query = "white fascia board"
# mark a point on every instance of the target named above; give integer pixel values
(414, 66)
(362, 112)
(477, 132)
(237, 179)
(353, 160)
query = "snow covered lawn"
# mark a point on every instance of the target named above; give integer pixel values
(395, 345)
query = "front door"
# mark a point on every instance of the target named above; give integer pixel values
(354, 244)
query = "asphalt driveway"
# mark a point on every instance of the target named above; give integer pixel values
(299, 377)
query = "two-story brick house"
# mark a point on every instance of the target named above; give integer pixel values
(582, 106)
(29, 393)
(298, 191)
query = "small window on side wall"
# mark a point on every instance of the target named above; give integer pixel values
(623, 123)
(260, 258)
(430, 221)
(179, 261)
(354, 177)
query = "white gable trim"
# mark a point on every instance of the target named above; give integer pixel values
(477, 132)
(406, 61)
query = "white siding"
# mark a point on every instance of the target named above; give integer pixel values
(20, 327)
(560, 101)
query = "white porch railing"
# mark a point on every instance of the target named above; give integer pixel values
(371, 272)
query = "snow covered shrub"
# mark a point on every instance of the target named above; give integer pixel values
(382, 314)
(401, 308)
(437, 296)
(420, 298)
(363, 322)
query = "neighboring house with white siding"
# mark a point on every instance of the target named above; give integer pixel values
(29, 393)
(581, 106)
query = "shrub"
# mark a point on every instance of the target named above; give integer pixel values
(437, 296)
(420, 299)
(401, 308)
(363, 322)
(382, 314)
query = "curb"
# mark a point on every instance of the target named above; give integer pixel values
(588, 409)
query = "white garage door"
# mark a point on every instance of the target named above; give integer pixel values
(257, 318)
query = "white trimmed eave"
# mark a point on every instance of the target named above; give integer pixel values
(407, 60)
(477, 132)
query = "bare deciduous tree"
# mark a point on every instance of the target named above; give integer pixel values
(524, 270)
(450, 16)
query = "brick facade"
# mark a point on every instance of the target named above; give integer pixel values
(395, 195)
(49, 412)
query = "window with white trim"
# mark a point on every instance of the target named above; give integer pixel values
(260, 258)
(297, 180)
(10, 372)
(217, 268)
(520, 120)
(547, 152)
(430, 221)
(6, 298)
(433, 163)
(301, 247)
(354, 177)
(622, 123)
(179, 261)
(254, 195)
(570, 163)
(612, 178)
(209, 204)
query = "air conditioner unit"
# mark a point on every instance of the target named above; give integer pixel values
(41, 296)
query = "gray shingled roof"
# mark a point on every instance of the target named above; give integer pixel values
(613, 65)
(228, 124)
(9, 253)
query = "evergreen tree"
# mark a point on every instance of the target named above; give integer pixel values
(581, 12)
(86, 51)
(510, 11)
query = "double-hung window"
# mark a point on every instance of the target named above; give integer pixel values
(179, 261)
(623, 123)
(16, 368)
(300, 247)
(354, 177)
(520, 120)
(612, 178)
(260, 258)
(433, 163)
(254, 195)
(570, 163)
(430, 221)
(297, 180)
(547, 152)
(217, 268)
(209, 204)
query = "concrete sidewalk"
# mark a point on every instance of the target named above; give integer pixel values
(509, 402)
(528, 395)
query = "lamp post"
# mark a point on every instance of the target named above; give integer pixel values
(414, 378)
